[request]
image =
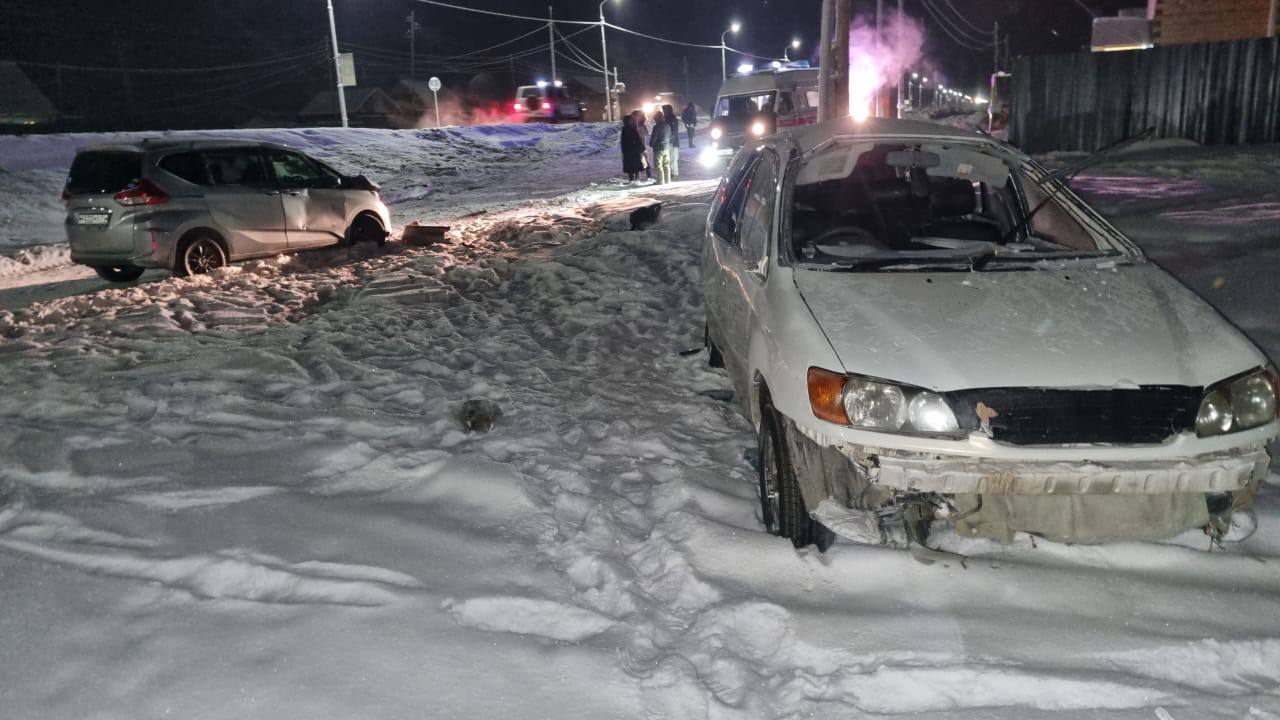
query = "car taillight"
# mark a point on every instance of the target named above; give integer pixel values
(546, 106)
(66, 197)
(518, 107)
(142, 192)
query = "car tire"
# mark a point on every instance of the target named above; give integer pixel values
(119, 273)
(781, 504)
(365, 229)
(715, 358)
(199, 255)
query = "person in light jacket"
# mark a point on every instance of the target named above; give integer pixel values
(669, 115)
(660, 141)
(642, 126)
(690, 119)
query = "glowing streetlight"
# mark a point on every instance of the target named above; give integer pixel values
(733, 28)
(786, 54)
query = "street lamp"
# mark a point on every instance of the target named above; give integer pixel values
(604, 54)
(786, 54)
(733, 28)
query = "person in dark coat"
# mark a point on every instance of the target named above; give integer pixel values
(632, 149)
(690, 119)
(669, 115)
(660, 141)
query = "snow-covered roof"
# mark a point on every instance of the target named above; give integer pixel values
(20, 97)
(366, 101)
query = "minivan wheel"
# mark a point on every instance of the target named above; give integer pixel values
(200, 255)
(119, 273)
(366, 229)
(781, 504)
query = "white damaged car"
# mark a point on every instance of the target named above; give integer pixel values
(927, 327)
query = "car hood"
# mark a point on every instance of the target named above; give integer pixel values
(1122, 326)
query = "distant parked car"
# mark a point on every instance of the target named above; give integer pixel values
(193, 206)
(931, 330)
(546, 103)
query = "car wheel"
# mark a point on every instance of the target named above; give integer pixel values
(714, 358)
(366, 229)
(200, 255)
(781, 504)
(119, 273)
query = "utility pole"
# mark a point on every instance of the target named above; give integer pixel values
(878, 110)
(1271, 18)
(902, 72)
(826, 62)
(995, 32)
(685, 61)
(551, 36)
(337, 66)
(840, 64)
(604, 65)
(412, 32)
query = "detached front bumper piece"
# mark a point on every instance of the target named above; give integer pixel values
(865, 490)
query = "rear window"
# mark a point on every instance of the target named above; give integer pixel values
(103, 172)
(189, 166)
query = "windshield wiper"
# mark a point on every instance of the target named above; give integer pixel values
(1037, 256)
(1064, 175)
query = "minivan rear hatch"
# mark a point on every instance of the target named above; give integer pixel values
(96, 223)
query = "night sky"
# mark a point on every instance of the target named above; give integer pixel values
(291, 36)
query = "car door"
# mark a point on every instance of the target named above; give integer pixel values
(747, 269)
(725, 294)
(314, 203)
(244, 202)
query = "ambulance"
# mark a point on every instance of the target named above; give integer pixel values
(757, 102)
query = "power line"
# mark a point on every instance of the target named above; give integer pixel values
(965, 20)
(957, 35)
(509, 16)
(278, 60)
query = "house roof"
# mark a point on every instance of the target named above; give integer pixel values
(362, 101)
(20, 96)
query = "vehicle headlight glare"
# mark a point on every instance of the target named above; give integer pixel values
(716, 133)
(928, 412)
(875, 405)
(1215, 416)
(1253, 401)
(757, 129)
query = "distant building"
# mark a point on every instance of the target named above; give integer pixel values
(366, 107)
(22, 105)
(1178, 22)
(1174, 22)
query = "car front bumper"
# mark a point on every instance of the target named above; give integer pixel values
(1063, 493)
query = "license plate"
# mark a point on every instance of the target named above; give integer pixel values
(93, 219)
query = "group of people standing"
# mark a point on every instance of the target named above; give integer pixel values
(663, 139)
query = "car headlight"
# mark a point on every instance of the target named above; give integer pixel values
(716, 133)
(878, 405)
(1240, 404)
(757, 129)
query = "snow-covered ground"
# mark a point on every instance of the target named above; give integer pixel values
(250, 496)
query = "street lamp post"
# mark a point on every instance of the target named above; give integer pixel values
(734, 28)
(786, 54)
(604, 53)
(337, 67)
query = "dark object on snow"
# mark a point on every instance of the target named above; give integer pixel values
(478, 415)
(646, 217)
(721, 395)
(424, 235)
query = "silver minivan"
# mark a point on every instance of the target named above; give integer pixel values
(193, 206)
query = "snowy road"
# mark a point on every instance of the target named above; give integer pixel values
(248, 496)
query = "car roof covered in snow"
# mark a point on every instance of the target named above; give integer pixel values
(806, 137)
(170, 145)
